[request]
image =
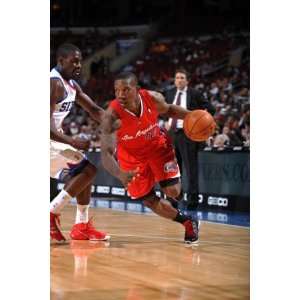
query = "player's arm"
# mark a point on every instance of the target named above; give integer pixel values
(108, 146)
(169, 110)
(88, 104)
(57, 94)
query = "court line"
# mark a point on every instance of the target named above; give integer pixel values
(151, 214)
(231, 225)
(173, 239)
(159, 237)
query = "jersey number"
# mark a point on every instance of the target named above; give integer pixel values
(66, 106)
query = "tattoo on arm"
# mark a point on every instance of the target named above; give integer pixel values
(157, 96)
(161, 104)
(169, 110)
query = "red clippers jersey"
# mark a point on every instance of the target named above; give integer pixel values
(138, 136)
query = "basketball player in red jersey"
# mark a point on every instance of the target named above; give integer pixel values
(144, 151)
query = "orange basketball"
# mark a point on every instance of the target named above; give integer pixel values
(199, 125)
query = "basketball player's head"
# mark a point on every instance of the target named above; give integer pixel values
(68, 59)
(126, 88)
(181, 78)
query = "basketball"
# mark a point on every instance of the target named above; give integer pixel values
(199, 125)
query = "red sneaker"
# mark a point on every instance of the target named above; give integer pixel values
(55, 232)
(191, 231)
(86, 231)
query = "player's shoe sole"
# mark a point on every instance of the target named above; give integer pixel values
(106, 238)
(87, 238)
(57, 241)
(192, 243)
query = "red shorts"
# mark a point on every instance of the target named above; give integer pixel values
(160, 166)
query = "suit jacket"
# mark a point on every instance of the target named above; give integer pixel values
(194, 100)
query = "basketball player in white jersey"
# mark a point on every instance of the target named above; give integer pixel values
(68, 163)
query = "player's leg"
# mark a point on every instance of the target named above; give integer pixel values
(83, 202)
(83, 228)
(83, 177)
(71, 167)
(166, 172)
(142, 189)
(173, 193)
(76, 179)
(59, 163)
(173, 189)
(160, 206)
(164, 209)
(165, 168)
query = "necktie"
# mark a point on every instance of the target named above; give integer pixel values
(174, 120)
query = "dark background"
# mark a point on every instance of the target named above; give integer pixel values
(184, 17)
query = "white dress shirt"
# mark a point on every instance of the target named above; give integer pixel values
(179, 123)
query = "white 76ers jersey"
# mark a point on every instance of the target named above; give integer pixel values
(63, 107)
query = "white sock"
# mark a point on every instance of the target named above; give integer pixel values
(82, 214)
(59, 202)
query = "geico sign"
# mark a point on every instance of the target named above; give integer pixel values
(218, 201)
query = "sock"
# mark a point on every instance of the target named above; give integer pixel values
(82, 214)
(180, 218)
(59, 202)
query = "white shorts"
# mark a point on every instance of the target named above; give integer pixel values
(62, 157)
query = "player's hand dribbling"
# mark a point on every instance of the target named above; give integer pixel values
(127, 177)
(81, 144)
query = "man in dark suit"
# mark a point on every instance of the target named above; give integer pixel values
(186, 150)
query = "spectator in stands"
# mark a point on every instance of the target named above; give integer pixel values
(74, 130)
(222, 140)
(245, 132)
(85, 133)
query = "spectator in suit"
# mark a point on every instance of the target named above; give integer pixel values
(186, 150)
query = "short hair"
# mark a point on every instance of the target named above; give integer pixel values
(127, 76)
(184, 71)
(65, 49)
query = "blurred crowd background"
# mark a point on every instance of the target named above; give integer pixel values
(213, 49)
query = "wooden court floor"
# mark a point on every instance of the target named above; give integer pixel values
(147, 260)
